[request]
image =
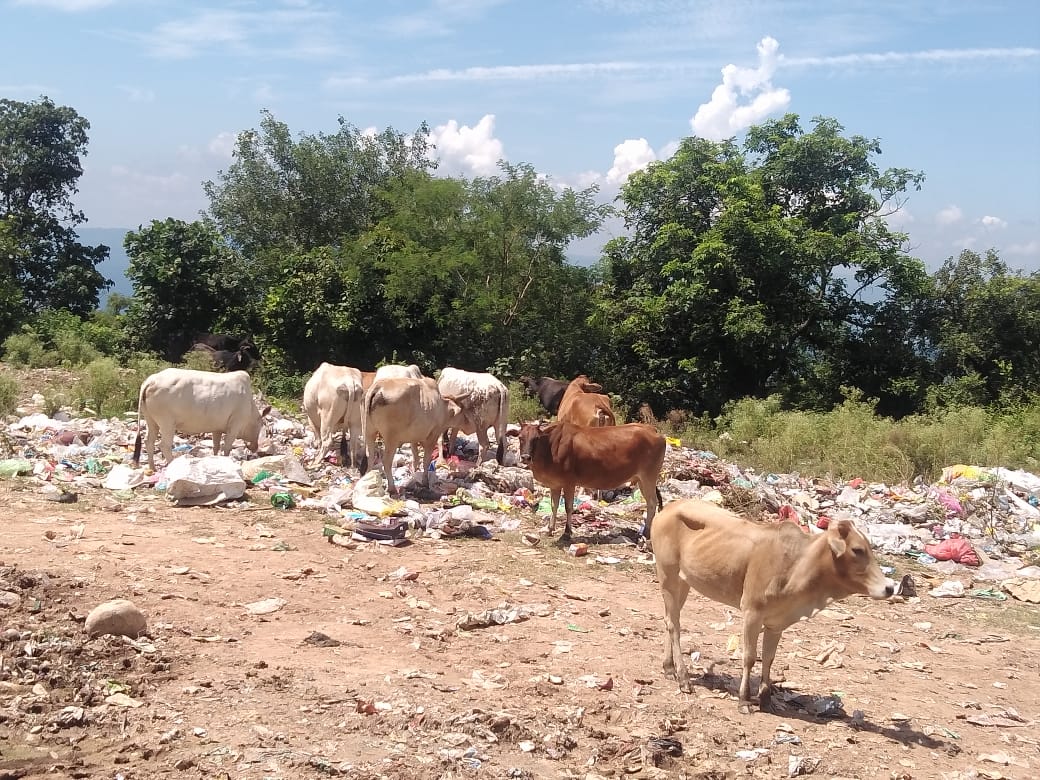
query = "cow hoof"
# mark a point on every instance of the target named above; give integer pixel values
(685, 686)
(744, 708)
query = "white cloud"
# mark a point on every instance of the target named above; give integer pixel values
(949, 215)
(938, 56)
(725, 115)
(222, 144)
(630, 156)
(519, 72)
(994, 222)
(468, 150)
(67, 5)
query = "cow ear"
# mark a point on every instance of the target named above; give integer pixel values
(265, 411)
(837, 534)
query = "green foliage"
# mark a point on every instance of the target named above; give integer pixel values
(522, 407)
(25, 349)
(767, 270)
(310, 192)
(105, 389)
(60, 338)
(48, 268)
(851, 440)
(184, 277)
(9, 394)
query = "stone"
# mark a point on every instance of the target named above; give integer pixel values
(119, 616)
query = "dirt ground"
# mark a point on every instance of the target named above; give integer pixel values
(928, 688)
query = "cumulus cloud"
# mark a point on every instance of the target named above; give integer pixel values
(745, 96)
(900, 218)
(949, 215)
(468, 150)
(994, 223)
(630, 156)
(1026, 248)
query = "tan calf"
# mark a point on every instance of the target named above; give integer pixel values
(773, 573)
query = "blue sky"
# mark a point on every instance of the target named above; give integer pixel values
(584, 90)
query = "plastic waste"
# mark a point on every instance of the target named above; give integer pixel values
(198, 481)
(12, 467)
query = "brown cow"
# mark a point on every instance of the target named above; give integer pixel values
(563, 455)
(773, 573)
(583, 404)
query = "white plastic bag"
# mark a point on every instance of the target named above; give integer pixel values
(194, 481)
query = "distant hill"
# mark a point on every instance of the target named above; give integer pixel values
(115, 267)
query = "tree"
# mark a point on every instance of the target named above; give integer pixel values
(757, 270)
(185, 280)
(312, 192)
(47, 267)
(984, 325)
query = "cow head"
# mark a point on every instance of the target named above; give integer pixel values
(854, 561)
(258, 436)
(585, 385)
(529, 432)
(530, 384)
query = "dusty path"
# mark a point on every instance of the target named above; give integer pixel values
(935, 689)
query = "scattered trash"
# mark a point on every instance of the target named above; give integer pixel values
(192, 481)
(949, 589)
(265, 607)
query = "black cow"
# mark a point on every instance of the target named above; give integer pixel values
(241, 359)
(549, 391)
(221, 342)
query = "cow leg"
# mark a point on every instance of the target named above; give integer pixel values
(166, 444)
(649, 490)
(389, 448)
(554, 496)
(568, 504)
(770, 641)
(149, 445)
(674, 590)
(451, 438)
(752, 628)
(429, 447)
(229, 442)
(483, 444)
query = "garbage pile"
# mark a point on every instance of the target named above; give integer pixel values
(986, 520)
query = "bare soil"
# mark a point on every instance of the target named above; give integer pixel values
(926, 688)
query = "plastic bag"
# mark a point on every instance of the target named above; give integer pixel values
(956, 548)
(198, 481)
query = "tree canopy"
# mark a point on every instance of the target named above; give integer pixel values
(45, 266)
(758, 270)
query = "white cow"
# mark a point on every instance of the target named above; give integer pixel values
(486, 405)
(405, 410)
(395, 371)
(332, 400)
(196, 402)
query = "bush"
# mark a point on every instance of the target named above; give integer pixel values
(9, 392)
(26, 350)
(106, 389)
(522, 407)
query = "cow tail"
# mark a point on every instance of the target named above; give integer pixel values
(500, 426)
(136, 460)
(366, 405)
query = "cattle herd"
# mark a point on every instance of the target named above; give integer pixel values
(774, 573)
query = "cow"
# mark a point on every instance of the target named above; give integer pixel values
(332, 400)
(195, 402)
(583, 404)
(222, 341)
(773, 573)
(242, 359)
(405, 409)
(367, 378)
(486, 406)
(547, 390)
(563, 455)
(395, 371)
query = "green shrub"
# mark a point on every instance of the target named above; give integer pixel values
(106, 389)
(25, 349)
(9, 392)
(522, 407)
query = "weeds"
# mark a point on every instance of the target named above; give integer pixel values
(9, 391)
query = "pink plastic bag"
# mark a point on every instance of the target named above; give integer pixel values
(956, 549)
